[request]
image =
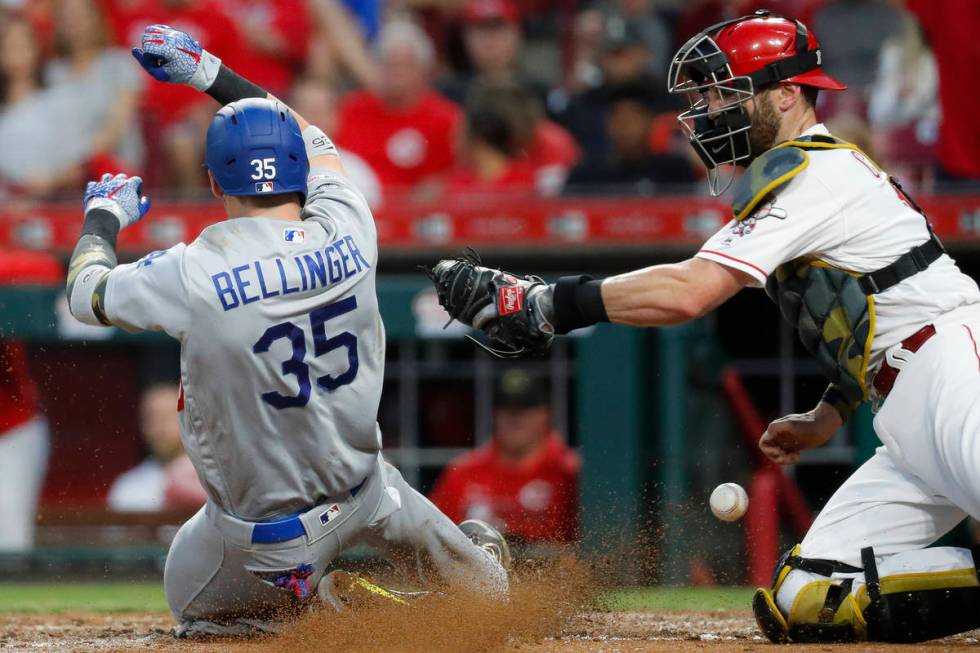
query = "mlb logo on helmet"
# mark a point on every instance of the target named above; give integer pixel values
(292, 235)
(264, 187)
(331, 513)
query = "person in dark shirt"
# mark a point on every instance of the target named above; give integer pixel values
(624, 55)
(630, 167)
(492, 37)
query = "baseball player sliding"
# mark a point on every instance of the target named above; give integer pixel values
(282, 361)
(853, 264)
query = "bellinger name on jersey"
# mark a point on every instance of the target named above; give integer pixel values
(262, 279)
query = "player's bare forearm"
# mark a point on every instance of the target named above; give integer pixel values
(521, 315)
(787, 436)
(663, 295)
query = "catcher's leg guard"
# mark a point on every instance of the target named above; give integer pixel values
(918, 606)
(909, 597)
(822, 611)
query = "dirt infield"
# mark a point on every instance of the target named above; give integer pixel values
(548, 610)
(622, 632)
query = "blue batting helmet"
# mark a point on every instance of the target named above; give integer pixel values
(255, 147)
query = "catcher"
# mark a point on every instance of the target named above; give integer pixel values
(852, 263)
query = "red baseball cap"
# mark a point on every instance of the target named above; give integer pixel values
(484, 11)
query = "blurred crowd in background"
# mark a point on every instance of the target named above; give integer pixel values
(440, 97)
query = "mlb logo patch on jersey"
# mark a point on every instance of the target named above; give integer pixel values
(293, 235)
(330, 513)
(264, 187)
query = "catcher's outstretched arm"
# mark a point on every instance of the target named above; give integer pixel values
(670, 294)
(170, 55)
(521, 315)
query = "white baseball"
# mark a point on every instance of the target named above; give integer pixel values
(729, 501)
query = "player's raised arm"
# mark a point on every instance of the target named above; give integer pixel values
(111, 204)
(170, 55)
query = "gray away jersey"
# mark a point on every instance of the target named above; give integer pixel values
(282, 349)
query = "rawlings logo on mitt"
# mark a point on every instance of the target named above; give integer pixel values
(514, 312)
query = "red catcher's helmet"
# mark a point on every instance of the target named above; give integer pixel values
(759, 43)
(734, 60)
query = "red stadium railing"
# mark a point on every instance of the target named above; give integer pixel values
(490, 221)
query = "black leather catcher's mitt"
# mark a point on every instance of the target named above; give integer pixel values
(513, 312)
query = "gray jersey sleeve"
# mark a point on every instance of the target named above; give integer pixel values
(150, 294)
(334, 201)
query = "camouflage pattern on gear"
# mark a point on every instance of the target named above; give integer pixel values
(833, 316)
(834, 319)
(770, 170)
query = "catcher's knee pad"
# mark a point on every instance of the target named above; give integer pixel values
(910, 597)
(822, 610)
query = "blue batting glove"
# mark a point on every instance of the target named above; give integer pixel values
(170, 55)
(120, 195)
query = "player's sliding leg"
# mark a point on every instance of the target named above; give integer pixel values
(425, 544)
(226, 576)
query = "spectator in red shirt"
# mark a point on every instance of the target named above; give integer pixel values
(24, 439)
(498, 127)
(275, 38)
(177, 113)
(525, 480)
(951, 28)
(404, 130)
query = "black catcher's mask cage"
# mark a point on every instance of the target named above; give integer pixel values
(701, 70)
(719, 135)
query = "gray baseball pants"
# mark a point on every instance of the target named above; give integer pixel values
(219, 582)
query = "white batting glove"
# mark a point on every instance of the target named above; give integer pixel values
(171, 55)
(119, 195)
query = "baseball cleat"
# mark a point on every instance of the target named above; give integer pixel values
(345, 591)
(487, 538)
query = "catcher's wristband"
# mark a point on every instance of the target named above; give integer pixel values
(833, 396)
(230, 87)
(578, 303)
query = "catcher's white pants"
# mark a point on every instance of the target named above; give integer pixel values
(23, 463)
(217, 579)
(926, 477)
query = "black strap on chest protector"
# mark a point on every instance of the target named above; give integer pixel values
(911, 262)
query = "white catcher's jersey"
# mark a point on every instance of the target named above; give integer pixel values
(282, 349)
(842, 210)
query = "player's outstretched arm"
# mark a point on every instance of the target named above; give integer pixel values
(663, 295)
(522, 315)
(170, 55)
(111, 204)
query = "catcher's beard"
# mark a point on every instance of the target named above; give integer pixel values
(765, 125)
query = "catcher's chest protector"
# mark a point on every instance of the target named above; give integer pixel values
(834, 318)
(827, 306)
